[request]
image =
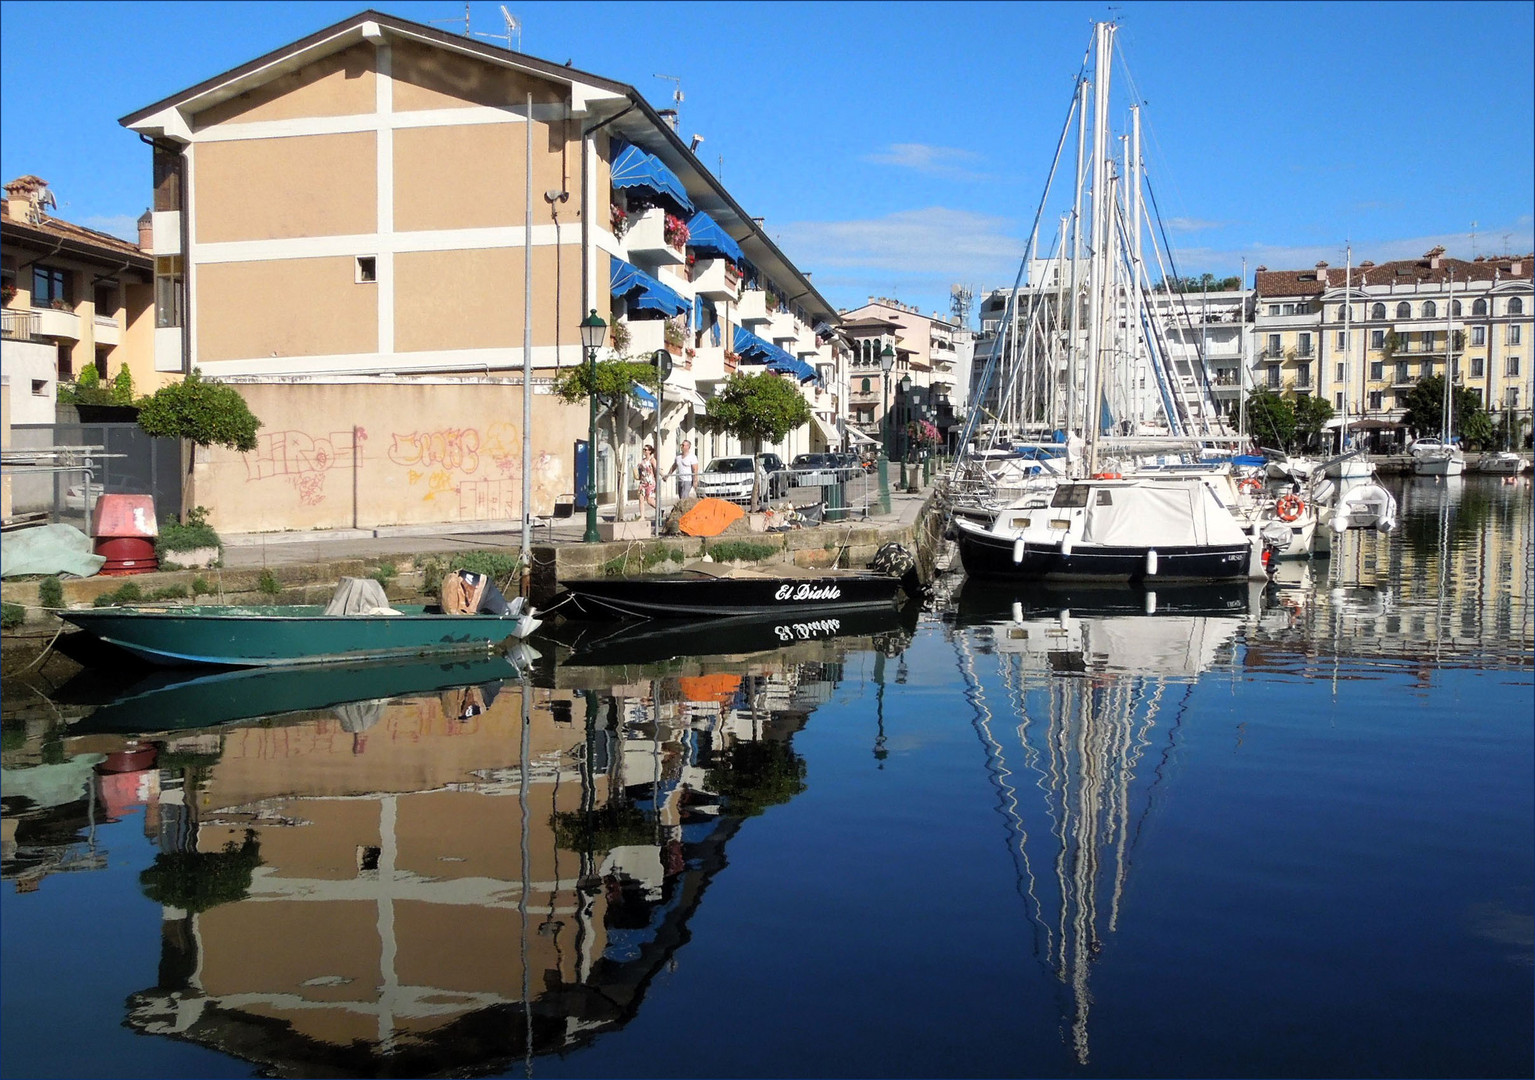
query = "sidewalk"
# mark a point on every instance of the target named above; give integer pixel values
(249, 550)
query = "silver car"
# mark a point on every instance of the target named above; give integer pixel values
(727, 478)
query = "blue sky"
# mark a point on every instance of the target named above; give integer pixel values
(896, 149)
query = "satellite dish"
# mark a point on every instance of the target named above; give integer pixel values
(663, 362)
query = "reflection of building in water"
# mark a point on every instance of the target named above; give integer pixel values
(1454, 584)
(449, 883)
(1066, 709)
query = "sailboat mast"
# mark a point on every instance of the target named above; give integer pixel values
(1098, 271)
(1348, 343)
(1137, 277)
(1449, 362)
(1072, 349)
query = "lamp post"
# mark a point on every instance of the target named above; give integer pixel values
(886, 363)
(593, 332)
(908, 481)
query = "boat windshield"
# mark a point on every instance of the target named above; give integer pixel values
(1070, 495)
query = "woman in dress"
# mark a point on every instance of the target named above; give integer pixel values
(647, 475)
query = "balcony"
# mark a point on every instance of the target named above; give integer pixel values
(18, 325)
(783, 328)
(58, 323)
(106, 330)
(709, 363)
(646, 239)
(645, 337)
(717, 279)
(752, 310)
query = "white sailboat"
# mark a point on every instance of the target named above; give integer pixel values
(1444, 458)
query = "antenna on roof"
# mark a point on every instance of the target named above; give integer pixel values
(513, 31)
(676, 92)
(464, 20)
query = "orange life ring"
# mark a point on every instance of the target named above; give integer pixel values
(1107, 476)
(1289, 507)
(1250, 484)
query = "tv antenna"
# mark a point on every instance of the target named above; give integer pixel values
(513, 31)
(960, 298)
(1473, 239)
(464, 20)
(677, 88)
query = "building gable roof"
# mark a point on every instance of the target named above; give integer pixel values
(1272, 284)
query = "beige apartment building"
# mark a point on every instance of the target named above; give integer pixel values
(74, 298)
(1404, 320)
(929, 349)
(341, 230)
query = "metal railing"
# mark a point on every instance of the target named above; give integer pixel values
(18, 325)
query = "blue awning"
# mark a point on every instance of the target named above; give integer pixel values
(643, 291)
(643, 397)
(705, 234)
(755, 350)
(634, 168)
(796, 367)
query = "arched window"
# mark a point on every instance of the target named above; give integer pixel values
(1378, 311)
(1479, 307)
(1404, 310)
(1430, 309)
(1455, 309)
(1342, 312)
(866, 386)
(1516, 306)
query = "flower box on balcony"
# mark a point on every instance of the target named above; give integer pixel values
(647, 238)
(716, 279)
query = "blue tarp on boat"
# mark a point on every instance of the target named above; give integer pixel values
(705, 234)
(635, 168)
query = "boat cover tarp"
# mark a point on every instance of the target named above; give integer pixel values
(1158, 513)
(635, 168)
(359, 596)
(709, 517)
(705, 234)
(48, 549)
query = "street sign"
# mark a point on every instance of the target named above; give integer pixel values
(663, 362)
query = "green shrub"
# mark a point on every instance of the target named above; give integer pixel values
(207, 413)
(127, 593)
(50, 593)
(639, 560)
(193, 533)
(12, 616)
(383, 573)
(742, 551)
(200, 586)
(170, 592)
(269, 584)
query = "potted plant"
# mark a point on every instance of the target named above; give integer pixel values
(618, 219)
(675, 231)
(618, 338)
(7, 292)
(673, 337)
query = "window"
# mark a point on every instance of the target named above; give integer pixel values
(1274, 383)
(367, 269)
(1342, 372)
(51, 287)
(1338, 401)
(1430, 309)
(1427, 369)
(1404, 310)
(1455, 309)
(1513, 334)
(1478, 335)
(1478, 366)
(1273, 349)
(1428, 340)
(1342, 312)
(65, 361)
(1303, 375)
(1401, 372)
(1375, 399)
(1513, 366)
(1378, 311)
(1455, 369)
(1273, 309)
(866, 386)
(1342, 340)
(167, 166)
(39, 387)
(1304, 343)
(105, 296)
(168, 290)
(1377, 339)
(1516, 306)
(1479, 307)
(1476, 392)
(1377, 370)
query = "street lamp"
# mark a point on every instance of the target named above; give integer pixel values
(593, 332)
(886, 363)
(906, 445)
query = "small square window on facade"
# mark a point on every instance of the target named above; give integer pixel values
(367, 269)
(39, 387)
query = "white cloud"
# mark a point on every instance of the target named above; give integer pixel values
(1512, 239)
(1184, 224)
(947, 161)
(122, 226)
(931, 241)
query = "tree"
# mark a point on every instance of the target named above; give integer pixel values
(754, 408)
(614, 381)
(1311, 416)
(204, 412)
(1425, 411)
(1270, 419)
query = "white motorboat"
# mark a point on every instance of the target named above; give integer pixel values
(1503, 463)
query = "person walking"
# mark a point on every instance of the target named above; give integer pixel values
(647, 475)
(685, 469)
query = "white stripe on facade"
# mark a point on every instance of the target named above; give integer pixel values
(353, 123)
(499, 361)
(383, 105)
(390, 242)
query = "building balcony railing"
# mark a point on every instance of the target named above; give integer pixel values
(717, 279)
(752, 309)
(18, 325)
(647, 238)
(57, 322)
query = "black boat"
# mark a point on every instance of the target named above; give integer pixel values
(791, 593)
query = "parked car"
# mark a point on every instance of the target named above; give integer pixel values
(815, 469)
(773, 468)
(728, 478)
(850, 464)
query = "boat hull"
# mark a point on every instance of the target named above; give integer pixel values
(684, 596)
(1439, 466)
(988, 556)
(263, 637)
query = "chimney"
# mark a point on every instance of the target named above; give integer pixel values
(1432, 255)
(147, 231)
(670, 116)
(26, 197)
(1516, 267)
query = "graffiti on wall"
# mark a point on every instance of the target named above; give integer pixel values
(302, 459)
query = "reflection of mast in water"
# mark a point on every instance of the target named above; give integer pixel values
(1085, 763)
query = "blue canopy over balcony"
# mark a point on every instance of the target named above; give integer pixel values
(643, 291)
(755, 350)
(634, 168)
(705, 235)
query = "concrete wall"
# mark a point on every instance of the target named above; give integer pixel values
(365, 454)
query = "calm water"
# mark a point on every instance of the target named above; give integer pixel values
(1283, 833)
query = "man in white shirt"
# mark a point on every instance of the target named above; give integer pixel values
(685, 468)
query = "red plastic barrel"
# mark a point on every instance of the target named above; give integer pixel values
(125, 529)
(126, 555)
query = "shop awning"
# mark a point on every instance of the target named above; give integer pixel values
(705, 234)
(827, 431)
(858, 436)
(644, 291)
(683, 395)
(635, 168)
(642, 398)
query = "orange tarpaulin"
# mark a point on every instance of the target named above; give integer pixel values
(709, 518)
(720, 687)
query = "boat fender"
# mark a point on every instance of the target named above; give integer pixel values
(1289, 508)
(1323, 492)
(1066, 546)
(1385, 525)
(1018, 549)
(1151, 603)
(1151, 562)
(1017, 612)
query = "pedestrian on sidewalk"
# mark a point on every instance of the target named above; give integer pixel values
(647, 470)
(685, 469)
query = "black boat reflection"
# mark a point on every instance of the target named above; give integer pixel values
(984, 601)
(654, 641)
(169, 701)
